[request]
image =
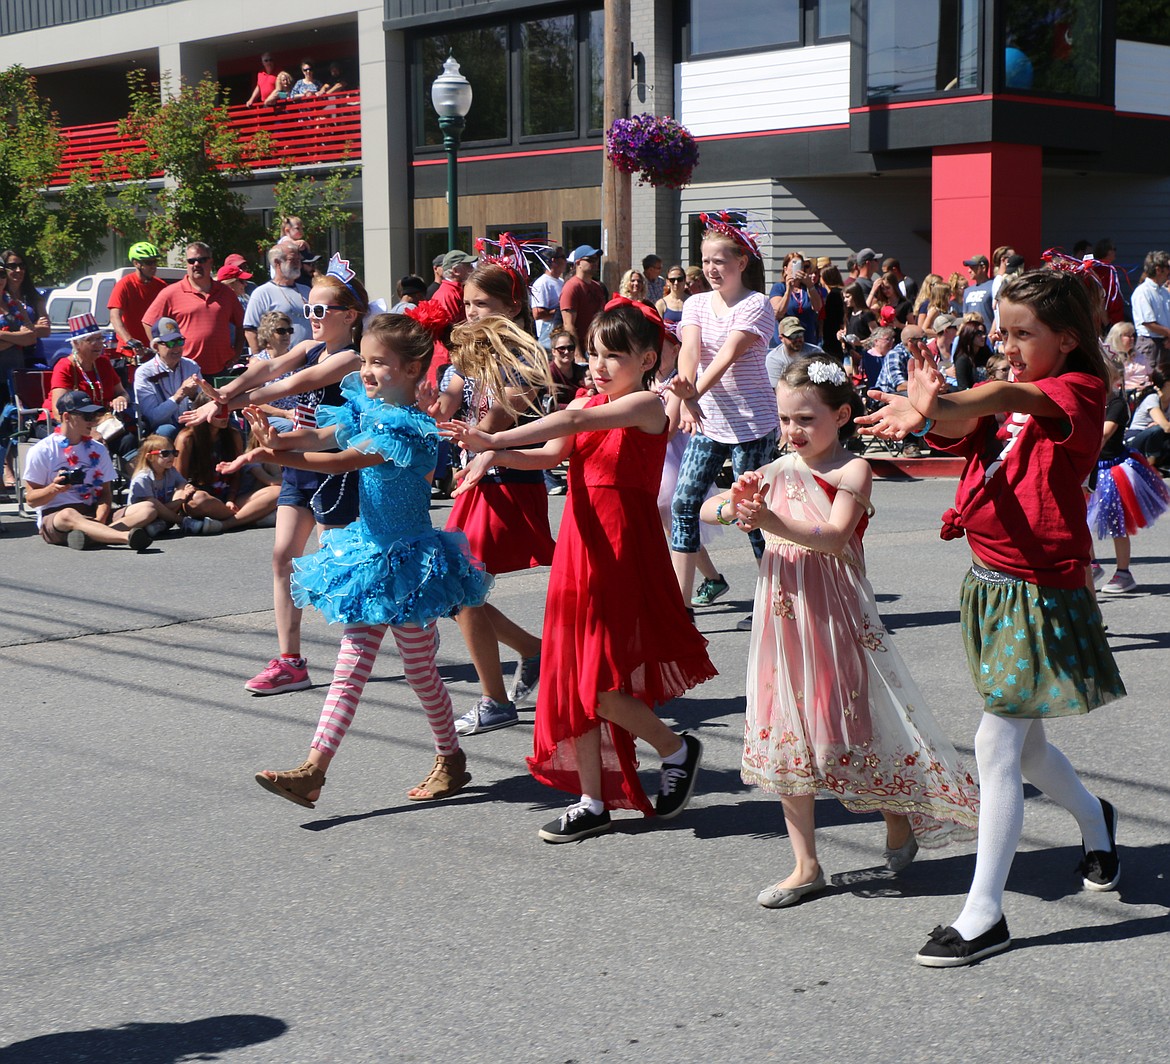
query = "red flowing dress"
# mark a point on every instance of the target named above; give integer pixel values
(615, 618)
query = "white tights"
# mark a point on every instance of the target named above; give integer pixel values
(1009, 750)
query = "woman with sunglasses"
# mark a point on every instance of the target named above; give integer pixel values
(971, 353)
(16, 325)
(670, 306)
(87, 369)
(22, 287)
(314, 368)
(274, 334)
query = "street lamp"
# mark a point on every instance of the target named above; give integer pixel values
(451, 97)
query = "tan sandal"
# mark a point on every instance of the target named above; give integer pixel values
(448, 777)
(296, 784)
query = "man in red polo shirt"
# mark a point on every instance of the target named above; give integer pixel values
(131, 297)
(205, 311)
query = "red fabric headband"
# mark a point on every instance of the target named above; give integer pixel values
(726, 227)
(647, 311)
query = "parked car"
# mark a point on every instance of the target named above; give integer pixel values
(88, 295)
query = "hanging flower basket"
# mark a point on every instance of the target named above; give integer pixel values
(655, 147)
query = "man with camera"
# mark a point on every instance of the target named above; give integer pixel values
(67, 479)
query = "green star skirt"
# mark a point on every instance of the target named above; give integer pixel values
(1035, 651)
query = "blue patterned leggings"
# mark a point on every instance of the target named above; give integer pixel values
(701, 462)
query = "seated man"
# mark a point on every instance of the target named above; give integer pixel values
(165, 385)
(792, 346)
(67, 479)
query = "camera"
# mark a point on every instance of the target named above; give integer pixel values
(74, 476)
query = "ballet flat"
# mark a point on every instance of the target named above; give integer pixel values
(899, 860)
(781, 897)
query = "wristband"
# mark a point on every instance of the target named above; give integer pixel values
(719, 513)
(222, 412)
(925, 428)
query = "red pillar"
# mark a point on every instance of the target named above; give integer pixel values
(983, 196)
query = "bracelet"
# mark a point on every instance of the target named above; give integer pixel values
(222, 412)
(925, 428)
(719, 513)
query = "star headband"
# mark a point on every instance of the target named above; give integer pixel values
(743, 233)
(339, 268)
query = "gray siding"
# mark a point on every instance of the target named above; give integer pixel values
(19, 16)
(401, 14)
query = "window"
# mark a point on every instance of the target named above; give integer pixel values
(833, 19)
(922, 47)
(742, 25)
(1144, 20)
(483, 59)
(530, 79)
(429, 244)
(1053, 48)
(548, 53)
(574, 234)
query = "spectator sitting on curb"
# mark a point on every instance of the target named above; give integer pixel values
(67, 479)
(165, 385)
(792, 346)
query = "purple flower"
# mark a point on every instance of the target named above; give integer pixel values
(655, 147)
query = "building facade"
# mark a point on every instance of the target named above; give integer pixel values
(927, 129)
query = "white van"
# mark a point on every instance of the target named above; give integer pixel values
(88, 295)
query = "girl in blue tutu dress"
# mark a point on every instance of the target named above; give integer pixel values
(388, 569)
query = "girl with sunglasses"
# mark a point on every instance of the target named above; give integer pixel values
(157, 483)
(314, 368)
(670, 306)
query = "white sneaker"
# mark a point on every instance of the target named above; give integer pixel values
(1122, 582)
(193, 526)
(156, 528)
(211, 527)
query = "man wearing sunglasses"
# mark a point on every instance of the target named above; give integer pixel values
(67, 478)
(282, 293)
(165, 386)
(205, 311)
(546, 296)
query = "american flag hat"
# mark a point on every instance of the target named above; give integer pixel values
(82, 325)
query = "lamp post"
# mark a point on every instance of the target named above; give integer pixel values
(451, 97)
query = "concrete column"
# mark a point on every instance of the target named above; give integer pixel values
(385, 155)
(984, 195)
(655, 226)
(187, 62)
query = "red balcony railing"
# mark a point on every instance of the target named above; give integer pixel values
(308, 131)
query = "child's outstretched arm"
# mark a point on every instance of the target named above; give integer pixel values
(315, 462)
(720, 509)
(829, 536)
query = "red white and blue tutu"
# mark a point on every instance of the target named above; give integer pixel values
(1129, 496)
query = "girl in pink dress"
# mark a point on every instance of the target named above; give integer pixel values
(830, 704)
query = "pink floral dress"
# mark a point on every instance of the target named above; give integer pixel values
(831, 705)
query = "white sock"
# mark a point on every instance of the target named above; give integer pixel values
(596, 806)
(678, 757)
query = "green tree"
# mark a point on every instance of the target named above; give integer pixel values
(190, 143)
(61, 229)
(320, 203)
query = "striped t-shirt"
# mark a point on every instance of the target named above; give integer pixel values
(742, 406)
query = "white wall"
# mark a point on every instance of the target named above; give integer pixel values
(1143, 78)
(786, 89)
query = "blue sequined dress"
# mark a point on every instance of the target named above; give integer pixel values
(390, 566)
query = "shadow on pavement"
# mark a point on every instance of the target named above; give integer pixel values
(148, 1043)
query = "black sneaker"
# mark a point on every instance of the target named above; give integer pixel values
(139, 539)
(678, 781)
(78, 540)
(946, 948)
(576, 822)
(1101, 869)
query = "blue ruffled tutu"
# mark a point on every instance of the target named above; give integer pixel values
(390, 566)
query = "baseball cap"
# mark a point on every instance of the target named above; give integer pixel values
(583, 251)
(791, 326)
(231, 273)
(457, 258)
(1015, 262)
(976, 260)
(165, 329)
(241, 264)
(866, 255)
(77, 402)
(943, 321)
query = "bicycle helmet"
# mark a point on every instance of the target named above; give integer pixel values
(144, 249)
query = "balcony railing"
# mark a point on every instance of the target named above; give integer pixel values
(312, 131)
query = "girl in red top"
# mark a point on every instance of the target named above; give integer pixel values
(1035, 644)
(617, 639)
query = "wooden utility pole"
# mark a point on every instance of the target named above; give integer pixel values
(615, 186)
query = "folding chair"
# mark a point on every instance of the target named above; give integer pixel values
(28, 390)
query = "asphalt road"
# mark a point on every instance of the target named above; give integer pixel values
(158, 906)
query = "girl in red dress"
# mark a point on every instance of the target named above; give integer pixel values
(617, 638)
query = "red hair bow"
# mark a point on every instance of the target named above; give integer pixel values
(430, 315)
(647, 311)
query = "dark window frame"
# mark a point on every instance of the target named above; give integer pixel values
(808, 35)
(420, 83)
(1106, 61)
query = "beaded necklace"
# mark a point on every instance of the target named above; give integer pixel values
(95, 384)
